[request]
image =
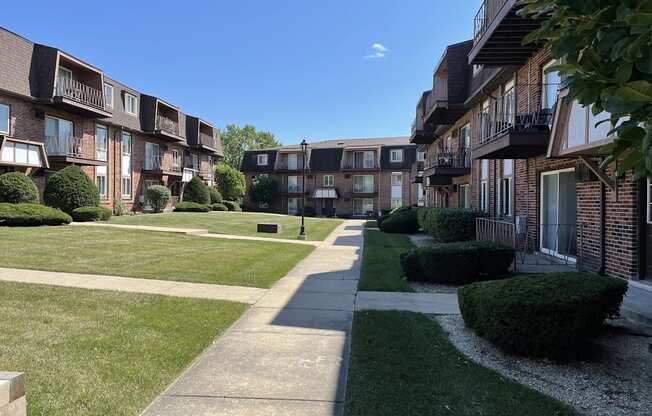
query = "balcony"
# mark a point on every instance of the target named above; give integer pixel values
(153, 163)
(66, 149)
(360, 160)
(488, 79)
(447, 164)
(75, 96)
(203, 136)
(167, 125)
(422, 132)
(498, 34)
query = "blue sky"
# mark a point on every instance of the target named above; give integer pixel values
(298, 68)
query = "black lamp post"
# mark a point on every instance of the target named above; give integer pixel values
(302, 232)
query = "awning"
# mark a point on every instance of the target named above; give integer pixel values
(325, 193)
(16, 152)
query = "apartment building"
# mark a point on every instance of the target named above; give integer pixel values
(57, 110)
(505, 139)
(346, 178)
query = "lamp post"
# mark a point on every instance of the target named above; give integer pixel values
(302, 232)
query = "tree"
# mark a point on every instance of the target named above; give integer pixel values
(263, 189)
(236, 140)
(230, 182)
(196, 191)
(606, 46)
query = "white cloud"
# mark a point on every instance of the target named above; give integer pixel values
(378, 51)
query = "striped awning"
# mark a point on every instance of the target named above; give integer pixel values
(325, 193)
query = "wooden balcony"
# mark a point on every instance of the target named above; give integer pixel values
(167, 128)
(71, 150)
(77, 97)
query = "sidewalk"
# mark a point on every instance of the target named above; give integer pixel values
(288, 355)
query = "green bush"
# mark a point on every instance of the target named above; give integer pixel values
(17, 188)
(89, 214)
(218, 207)
(448, 225)
(550, 315)
(196, 191)
(264, 189)
(422, 213)
(232, 206)
(70, 188)
(26, 215)
(401, 220)
(494, 260)
(230, 182)
(191, 207)
(216, 196)
(119, 208)
(309, 211)
(158, 197)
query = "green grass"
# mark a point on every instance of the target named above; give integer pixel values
(403, 364)
(98, 352)
(235, 223)
(371, 224)
(381, 268)
(151, 255)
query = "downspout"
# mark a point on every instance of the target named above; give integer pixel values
(603, 229)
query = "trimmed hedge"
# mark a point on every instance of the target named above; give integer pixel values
(215, 195)
(196, 191)
(449, 225)
(88, 214)
(158, 197)
(232, 206)
(70, 188)
(550, 315)
(401, 220)
(218, 207)
(18, 188)
(191, 207)
(457, 263)
(26, 215)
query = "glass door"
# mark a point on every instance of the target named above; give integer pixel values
(558, 229)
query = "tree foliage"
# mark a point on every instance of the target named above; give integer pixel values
(264, 189)
(230, 182)
(606, 46)
(236, 140)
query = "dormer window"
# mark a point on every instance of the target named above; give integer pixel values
(131, 104)
(396, 155)
(262, 160)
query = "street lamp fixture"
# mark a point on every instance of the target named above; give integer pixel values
(304, 152)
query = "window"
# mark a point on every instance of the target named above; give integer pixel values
(421, 156)
(363, 206)
(551, 81)
(329, 180)
(396, 155)
(363, 184)
(211, 162)
(484, 123)
(262, 160)
(295, 184)
(506, 188)
(131, 104)
(465, 196)
(101, 142)
(508, 109)
(293, 206)
(364, 160)
(108, 95)
(194, 159)
(65, 77)
(397, 190)
(126, 164)
(176, 163)
(421, 197)
(484, 185)
(57, 127)
(293, 163)
(59, 138)
(4, 119)
(101, 181)
(20, 154)
(152, 157)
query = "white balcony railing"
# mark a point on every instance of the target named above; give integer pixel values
(82, 93)
(64, 146)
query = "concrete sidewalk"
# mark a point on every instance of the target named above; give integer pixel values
(428, 303)
(288, 355)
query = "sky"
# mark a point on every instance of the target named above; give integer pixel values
(297, 68)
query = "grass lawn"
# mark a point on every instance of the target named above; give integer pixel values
(152, 255)
(381, 269)
(371, 224)
(403, 364)
(235, 223)
(99, 352)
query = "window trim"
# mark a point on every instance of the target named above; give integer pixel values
(128, 95)
(8, 119)
(363, 191)
(122, 167)
(266, 158)
(328, 184)
(398, 152)
(112, 95)
(465, 197)
(103, 196)
(106, 149)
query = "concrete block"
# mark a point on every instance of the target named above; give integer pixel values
(12, 394)
(268, 228)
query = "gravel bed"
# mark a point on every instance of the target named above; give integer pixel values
(423, 287)
(617, 382)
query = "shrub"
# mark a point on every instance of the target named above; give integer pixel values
(232, 206)
(218, 207)
(88, 214)
(548, 315)
(450, 224)
(196, 191)
(17, 188)
(158, 197)
(494, 260)
(191, 207)
(402, 220)
(230, 182)
(422, 213)
(119, 208)
(216, 196)
(309, 211)
(25, 215)
(70, 188)
(264, 189)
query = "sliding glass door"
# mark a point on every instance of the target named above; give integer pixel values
(558, 229)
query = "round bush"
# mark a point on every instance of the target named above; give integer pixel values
(196, 191)
(158, 197)
(219, 207)
(26, 215)
(70, 188)
(191, 207)
(402, 220)
(550, 315)
(450, 224)
(89, 214)
(232, 206)
(17, 188)
(216, 196)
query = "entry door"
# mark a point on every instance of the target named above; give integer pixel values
(328, 207)
(293, 206)
(558, 229)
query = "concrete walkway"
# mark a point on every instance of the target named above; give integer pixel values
(429, 303)
(247, 295)
(288, 355)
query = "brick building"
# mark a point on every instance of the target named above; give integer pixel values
(517, 148)
(56, 110)
(347, 178)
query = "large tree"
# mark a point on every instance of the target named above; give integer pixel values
(236, 140)
(230, 182)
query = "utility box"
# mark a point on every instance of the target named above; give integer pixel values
(12, 394)
(269, 228)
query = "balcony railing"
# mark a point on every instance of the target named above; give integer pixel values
(166, 124)
(295, 189)
(192, 164)
(485, 15)
(439, 95)
(82, 93)
(448, 158)
(176, 167)
(206, 140)
(64, 146)
(153, 163)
